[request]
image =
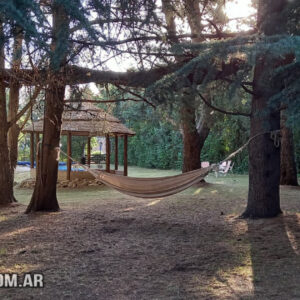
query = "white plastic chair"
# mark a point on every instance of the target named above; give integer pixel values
(224, 168)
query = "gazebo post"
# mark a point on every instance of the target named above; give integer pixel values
(89, 152)
(107, 154)
(31, 150)
(69, 152)
(125, 155)
(116, 152)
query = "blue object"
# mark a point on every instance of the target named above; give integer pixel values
(25, 163)
(64, 168)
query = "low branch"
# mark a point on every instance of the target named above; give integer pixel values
(218, 31)
(74, 75)
(78, 75)
(243, 85)
(136, 95)
(247, 90)
(219, 35)
(30, 103)
(100, 101)
(221, 110)
(21, 127)
(100, 21)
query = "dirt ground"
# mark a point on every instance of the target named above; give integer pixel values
(104, 245)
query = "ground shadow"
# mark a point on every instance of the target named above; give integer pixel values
(275, 257)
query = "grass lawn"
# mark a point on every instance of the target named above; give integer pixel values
(106, 245)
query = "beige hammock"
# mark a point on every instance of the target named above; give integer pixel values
(157, 187)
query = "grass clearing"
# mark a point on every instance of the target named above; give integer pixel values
(105, 245)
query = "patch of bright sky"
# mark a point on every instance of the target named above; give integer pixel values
(239, 9)
(235, 10)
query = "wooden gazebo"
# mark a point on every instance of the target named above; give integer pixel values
(89, 121)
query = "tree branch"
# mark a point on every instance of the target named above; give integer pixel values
(101, 101)
(219, 35)
(136, 95)
(26, 107)
(221, 110)
(243, 85)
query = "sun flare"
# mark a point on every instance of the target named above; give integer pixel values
(239, 9)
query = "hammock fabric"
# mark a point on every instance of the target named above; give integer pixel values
(156, 187)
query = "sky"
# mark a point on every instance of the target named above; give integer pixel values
(234, 9)
(239, 8)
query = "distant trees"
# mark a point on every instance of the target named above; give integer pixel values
(158, 142)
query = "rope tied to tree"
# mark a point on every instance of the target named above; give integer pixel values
(275, 136)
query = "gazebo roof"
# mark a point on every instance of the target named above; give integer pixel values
(89, 120)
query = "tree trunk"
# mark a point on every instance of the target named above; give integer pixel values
(288, 168)
(264, 156)
(6, 184)
(191, 138)
(14, 130)
(44, 196)
(264, 162)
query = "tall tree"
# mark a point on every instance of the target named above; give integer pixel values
(44, 195)
(6, 183)
(264, 154)
(194, 133)
(14, 91)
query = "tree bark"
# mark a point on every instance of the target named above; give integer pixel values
(193, 141)
(14, 87)
(6, 183)
(264, 156)
(191, 137)
(288, 168)
(264, 159)
(44, 197)
(14, 130)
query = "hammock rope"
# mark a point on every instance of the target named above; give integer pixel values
(158, 187)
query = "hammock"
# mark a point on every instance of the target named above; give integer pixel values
(156, 187)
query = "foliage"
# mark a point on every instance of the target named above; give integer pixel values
(79, 146)
(158, 143)
(24, 147)
(284, 80)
